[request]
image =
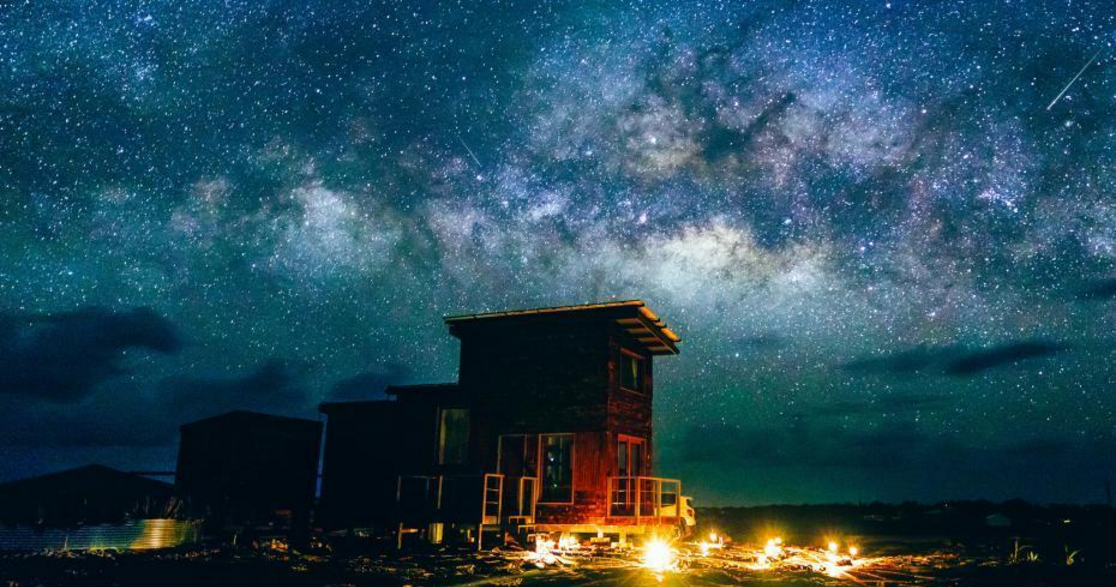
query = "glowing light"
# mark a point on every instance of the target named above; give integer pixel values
(832, 547)
(658, 556)
(566, 542)
(853, 551)
(773, 550)
(548, 552)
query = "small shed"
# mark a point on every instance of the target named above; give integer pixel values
(245, 468)
(92, 494)
(367, 443)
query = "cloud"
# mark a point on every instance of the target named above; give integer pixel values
(136, 416)
(276, 386)
(369, 384)
(1101, 289)
(880, 403)
(801, 443)
(1003, 355)
(905, 362)
(956, 360)
(822, 461)
(63, 357)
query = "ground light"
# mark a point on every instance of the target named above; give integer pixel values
(658, 556)
(661, 556)
(773, 550)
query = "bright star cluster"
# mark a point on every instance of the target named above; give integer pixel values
(891, 263)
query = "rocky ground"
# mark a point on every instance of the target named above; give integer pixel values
(274, 565)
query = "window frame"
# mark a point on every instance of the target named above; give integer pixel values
(440, 446)
(641, 381)
(542, 468)
(526, 448)
(630, 441)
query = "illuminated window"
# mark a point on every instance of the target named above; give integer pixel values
(557, 460)
(453, 436)
(631, 372)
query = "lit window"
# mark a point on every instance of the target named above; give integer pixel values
(557, 457)
(453, 436)
(631, 372)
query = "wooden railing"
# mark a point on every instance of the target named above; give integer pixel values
(418, 496)
(439, 496)
(644, 499)
(492, 499)
(527, 498)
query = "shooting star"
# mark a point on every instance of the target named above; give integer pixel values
(1066, 89)
(470, 151)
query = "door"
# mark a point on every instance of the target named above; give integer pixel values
(630, 457)
(630, 464)
(518, 463)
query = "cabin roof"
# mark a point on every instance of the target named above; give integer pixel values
(632, 315)
(90, 494)
(87, 478)
(338, 406)
(419, 388)
(245, 418)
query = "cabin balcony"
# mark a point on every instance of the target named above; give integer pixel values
(644, 501)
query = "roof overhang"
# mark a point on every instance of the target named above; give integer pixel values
(633, 316)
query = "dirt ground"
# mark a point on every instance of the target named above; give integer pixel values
(895, 545)
(731, 565)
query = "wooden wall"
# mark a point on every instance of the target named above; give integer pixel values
(532, 380)
(629, 412)
(590, 478)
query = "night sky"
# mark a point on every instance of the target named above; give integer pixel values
(890, 252)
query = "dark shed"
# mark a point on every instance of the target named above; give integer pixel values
(368, 443)
(93, 494)
(246, 468)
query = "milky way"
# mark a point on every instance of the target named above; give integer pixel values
(891, 264)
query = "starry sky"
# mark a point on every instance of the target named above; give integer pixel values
(889, 250)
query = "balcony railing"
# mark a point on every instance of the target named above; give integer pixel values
(644, 499)
(460, 498)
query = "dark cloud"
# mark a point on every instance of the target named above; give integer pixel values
(956, 360)
(277, 386)
(897, 461)
(1101, 289)
(130, 415)
(369, 384)
(1003, 355)
(802, 443)
(63, 357)
(821, 444)
(881, 403)
(905, 362)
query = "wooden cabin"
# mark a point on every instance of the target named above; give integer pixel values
(549, 429)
